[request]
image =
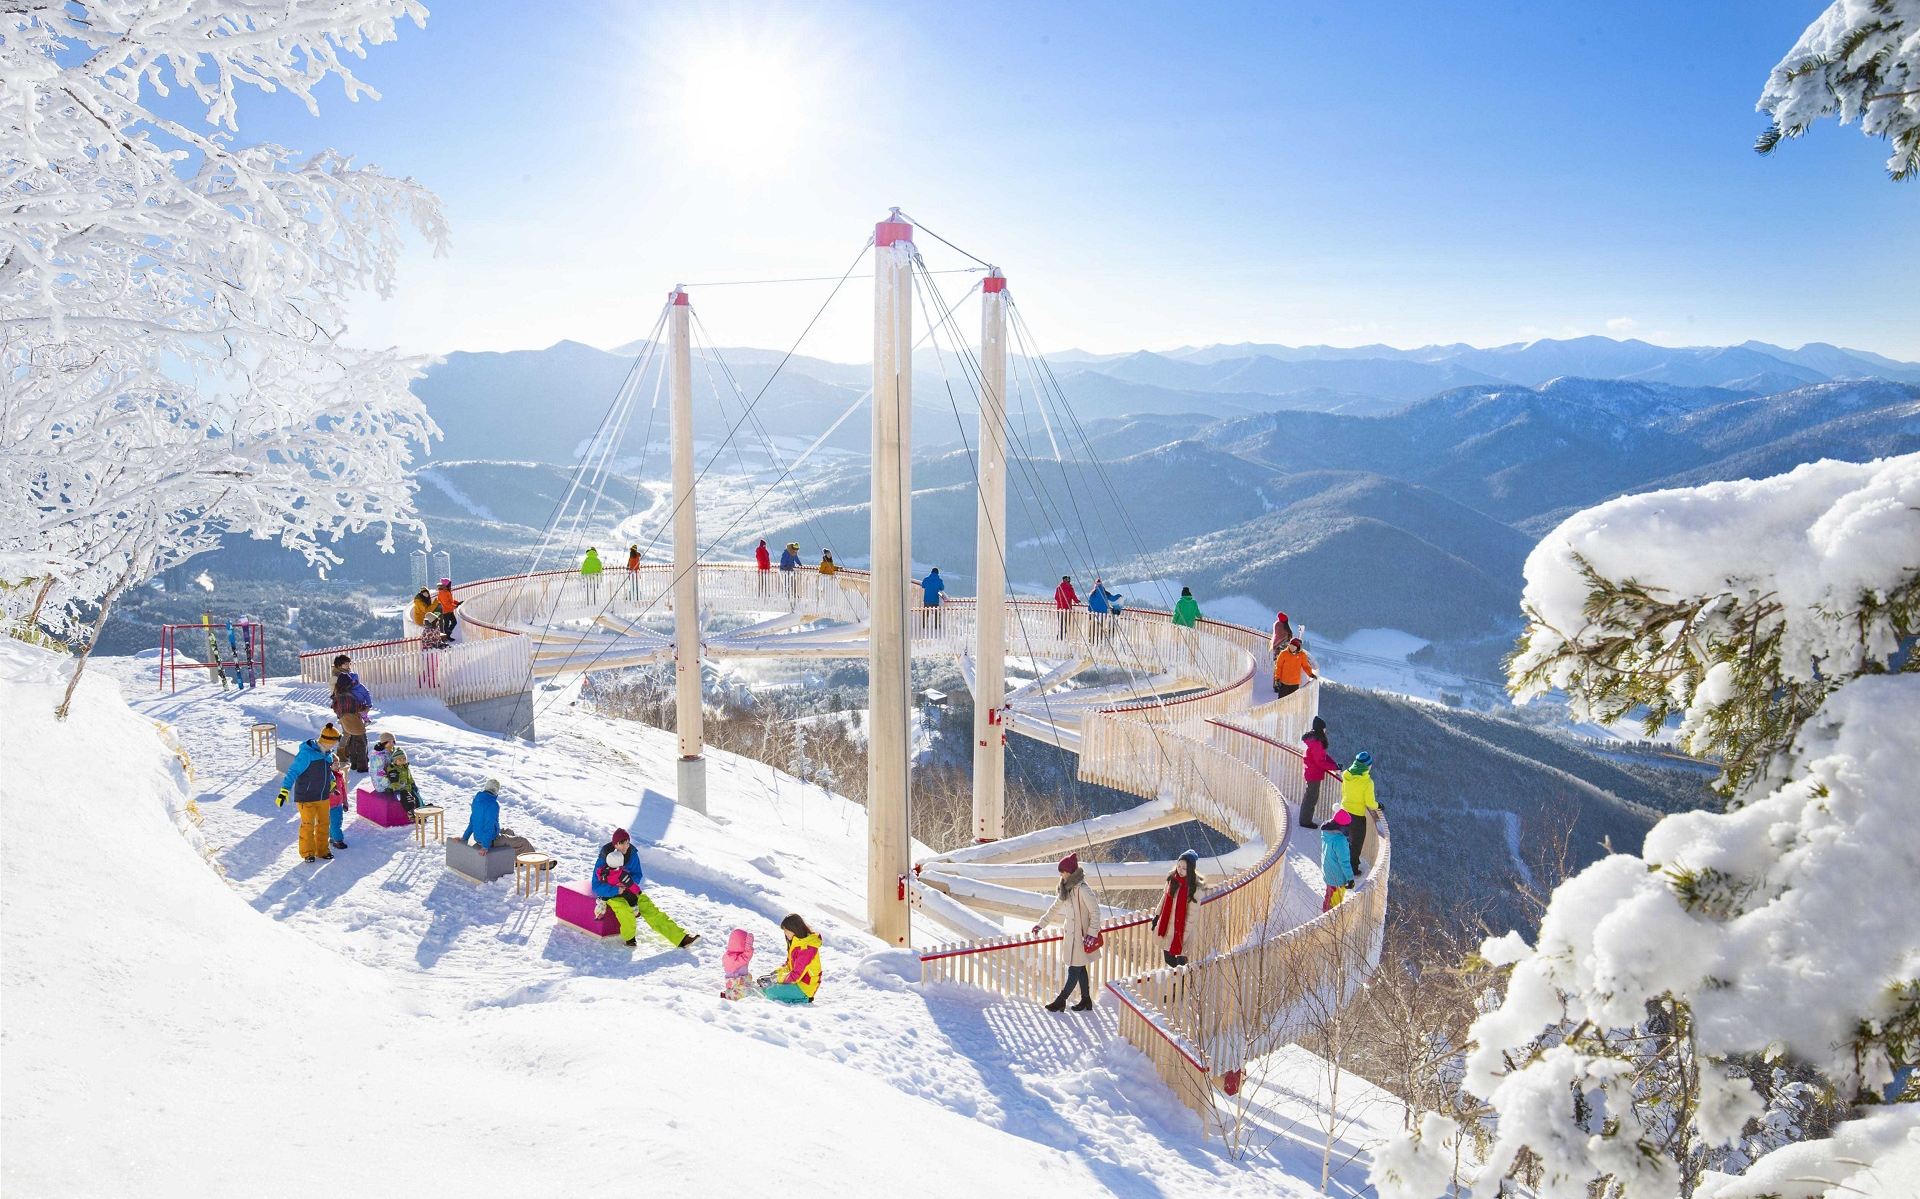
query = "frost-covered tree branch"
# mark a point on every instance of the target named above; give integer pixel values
(172, 302)
(1689, 1019)
(1859, 62)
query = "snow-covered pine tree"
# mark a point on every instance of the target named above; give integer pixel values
(1631, 1051)
(1860, 61)
(171, 301)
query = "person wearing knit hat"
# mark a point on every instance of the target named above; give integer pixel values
(308, 782)
(1282, 634)
(1318, 766)
(1079, 929)
(617, 884)
(484, 830)
(1291, 668)
(1356, 799)
(1336, 862)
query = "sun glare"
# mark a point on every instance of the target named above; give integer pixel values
(744, 109)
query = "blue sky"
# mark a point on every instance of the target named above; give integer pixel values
(1148, 176)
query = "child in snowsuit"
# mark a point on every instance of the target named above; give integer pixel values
(616, 883)
(308, 781)
(799, 976)
(737, 961)
(337, 801)
(1335, 865)
(396, 776)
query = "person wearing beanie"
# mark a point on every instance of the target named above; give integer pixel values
(590, 569)
(308, 782)
(1319, 766)
(790, 568)
(483, 823)
(736, 965)
(1079, 929)
(633, 571)
(1282, 634)
(617, 884)
(1291, 668)
(1356, 799)
(1064, 598)
(1336, 863)
(798, 978)
(1187, 611)
(827, 565)
(1170, 925)
(351, 704)
(337, 802)
(762, 562)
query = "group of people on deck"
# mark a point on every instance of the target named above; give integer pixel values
(433, 613)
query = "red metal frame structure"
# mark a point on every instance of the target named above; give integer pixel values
(253, 649)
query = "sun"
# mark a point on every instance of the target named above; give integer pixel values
(746, 109)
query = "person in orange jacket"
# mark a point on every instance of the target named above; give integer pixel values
(1291, 667)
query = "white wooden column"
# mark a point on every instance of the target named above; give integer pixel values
(889, 690)
(990, 569)
(687, 713)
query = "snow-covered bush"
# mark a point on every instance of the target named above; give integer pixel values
(1860, 61)
(1664, 987)
(171, 302)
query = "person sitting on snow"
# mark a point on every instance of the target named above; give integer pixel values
(617, 882)
(483, 823)
(798, 978)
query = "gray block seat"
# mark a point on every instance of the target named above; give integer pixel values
(480, 867)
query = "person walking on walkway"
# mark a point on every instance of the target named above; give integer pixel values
(1170, 926)
(351, 703)
(1079, 929)
(1336, 862)
(590, 569)
(1282, 634)
(931, 589)
(1356, 798)
(1064, 599)
(308, 781)
(798, 978)
(1320, 765)
(617, 882)
(1291, 667)
(1187, 612)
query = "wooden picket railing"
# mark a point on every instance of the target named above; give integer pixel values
(484, 664)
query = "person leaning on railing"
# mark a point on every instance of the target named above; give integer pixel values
(1064, 598)
(1356, 799)
(1319, 766)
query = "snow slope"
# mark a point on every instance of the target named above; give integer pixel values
(374, 1024)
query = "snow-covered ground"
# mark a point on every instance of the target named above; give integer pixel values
(375, 1024)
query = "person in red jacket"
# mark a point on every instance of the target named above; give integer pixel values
(1064, 598)
(1319, 766)
(1282, 633)
(763, 561)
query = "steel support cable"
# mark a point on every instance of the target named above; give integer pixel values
(678, 500)
(1046, 699)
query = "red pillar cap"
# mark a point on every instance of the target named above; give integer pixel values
(887, 232)
(679, 296)
(995, 281)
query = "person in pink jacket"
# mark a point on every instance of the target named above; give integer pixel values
(1319, 766)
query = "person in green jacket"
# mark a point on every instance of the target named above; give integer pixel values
(1187, 611)
(590, 571)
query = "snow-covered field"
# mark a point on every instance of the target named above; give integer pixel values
(374, 1024)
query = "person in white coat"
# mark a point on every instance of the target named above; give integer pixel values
(1079, 916)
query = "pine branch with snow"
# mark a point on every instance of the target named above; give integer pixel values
(1860, 61)
(1635, 1047)
(172, 302)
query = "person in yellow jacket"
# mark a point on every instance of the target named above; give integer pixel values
(1356, 799)
(1291, 667)
(827, 565)
(799, 977)
(422, 604)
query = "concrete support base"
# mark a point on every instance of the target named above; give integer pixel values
(509, 715)
(691, 780)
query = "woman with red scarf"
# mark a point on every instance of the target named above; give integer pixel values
(1171, 924)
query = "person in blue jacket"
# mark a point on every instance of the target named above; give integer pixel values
(1336, 862)
(1100, 608)
(483, 823)
(931, 588)
(790, 567)
(617, 884)
(308, 782)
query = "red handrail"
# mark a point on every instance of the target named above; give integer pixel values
(1120, 994)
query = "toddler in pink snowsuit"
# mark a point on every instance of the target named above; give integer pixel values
(737, 961)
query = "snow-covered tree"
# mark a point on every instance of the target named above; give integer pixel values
(172, 302)
(1860, 61)
(1632, 1050)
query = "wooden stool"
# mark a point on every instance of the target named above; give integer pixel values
(532, 872)
(422, 817)
(262, 738)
